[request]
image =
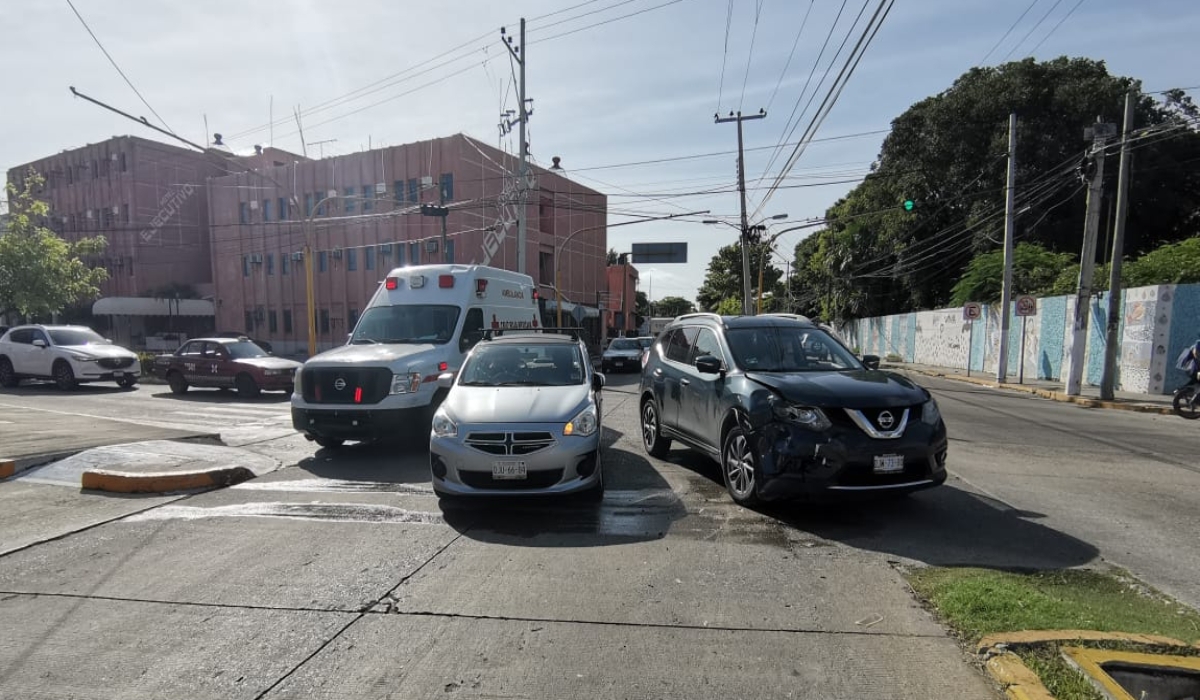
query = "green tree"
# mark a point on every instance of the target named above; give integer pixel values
(641, 308)
(612, 258)
(1035, 271)
(40, 273)
(724, 278)
(731, 306)
(674, 306)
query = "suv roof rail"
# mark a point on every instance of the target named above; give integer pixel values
(492, 333)
(699, 314)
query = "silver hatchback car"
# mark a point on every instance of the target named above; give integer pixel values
(522, 418)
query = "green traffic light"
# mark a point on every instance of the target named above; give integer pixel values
(908, 205)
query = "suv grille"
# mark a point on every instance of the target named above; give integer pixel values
(516, 443)
(115, 362)
(535, 480)
(321, 384)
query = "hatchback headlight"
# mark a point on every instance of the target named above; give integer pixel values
(443, 425)
(406, 383)
(804, 416)
(583, 424)
(930, 413)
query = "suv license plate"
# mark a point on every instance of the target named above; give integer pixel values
(118, 374)
(889, 464)
(508, 470)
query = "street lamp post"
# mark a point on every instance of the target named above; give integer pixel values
(768, 247)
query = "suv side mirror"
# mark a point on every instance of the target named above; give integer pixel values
(39, 343)
(871, 361)
(445, 380)
(597, 381)
(707, 364)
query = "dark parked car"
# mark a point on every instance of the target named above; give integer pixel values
(225, 363)
(787, 410)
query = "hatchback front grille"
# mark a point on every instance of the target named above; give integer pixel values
(514, 443)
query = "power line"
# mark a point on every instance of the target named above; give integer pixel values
(724, 55)
(579, 16)
(114, 65)
(1010, 29)
(750, 55)
(1055, 27)
(607, 21)
(1031, 30)
(791, 53)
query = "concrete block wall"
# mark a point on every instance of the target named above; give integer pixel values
(1156, 324)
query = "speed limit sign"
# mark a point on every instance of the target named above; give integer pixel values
(1026, 306)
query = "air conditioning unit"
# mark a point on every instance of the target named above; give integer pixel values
(431, 245)
(380, 188)
(385, 248)
(426, 181)
(337, 253)
(256, 258)
(298, 256)
(113, 157)
(254, 204)
(90, 215)
(116, 209)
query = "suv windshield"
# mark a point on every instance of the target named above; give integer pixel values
(624, 344)
(524, 365)
(245, 350)
(787, 349)
(77, 336)
(409, 323)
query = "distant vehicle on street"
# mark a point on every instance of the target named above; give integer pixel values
(787, 410)
(521, 418)
(645, 341)
(622, 354)
(67, 355)
(226, 363)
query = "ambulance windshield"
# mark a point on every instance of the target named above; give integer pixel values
(406, 323)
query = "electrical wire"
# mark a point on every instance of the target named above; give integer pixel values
(1010, 29)
(750, 55)
(724, 55)
(1054, 28)
(607, 21)
(787, 64)
(1031, 30)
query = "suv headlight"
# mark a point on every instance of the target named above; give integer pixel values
(406, 383)
(803, 416)
(443, 425)
(583, 424)
(82, 358)
(930, 413)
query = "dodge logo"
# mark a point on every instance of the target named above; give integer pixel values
(340, 384)
(886, 419)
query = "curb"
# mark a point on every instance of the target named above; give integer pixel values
(7, 468)
(1047, 393)
(162, 482)
(12, 467)
(1014, 676)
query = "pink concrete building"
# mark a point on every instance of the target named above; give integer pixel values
(620, 309)
(367, 219)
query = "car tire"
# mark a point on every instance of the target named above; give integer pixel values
(246, 387)
(656, 445)
(177, 383)
(8, 377)
(329, 443)
(127, 382)
(64, 376)
(596, 493)
(739, 466)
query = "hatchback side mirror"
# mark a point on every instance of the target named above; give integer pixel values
(597, 381)
(871, 361)
(445, 380)
(39, 343)
(707, 364)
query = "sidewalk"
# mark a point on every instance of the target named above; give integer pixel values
(1048, 389)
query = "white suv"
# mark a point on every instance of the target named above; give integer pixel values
(68, 355)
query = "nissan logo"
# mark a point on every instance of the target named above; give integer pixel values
(340, 384)
(886, 419)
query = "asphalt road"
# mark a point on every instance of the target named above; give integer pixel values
(342, 576)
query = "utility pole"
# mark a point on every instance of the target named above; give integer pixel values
(518, 54)
(1108, 380)
(762, 113)
(1099, 133)
(1009, 216)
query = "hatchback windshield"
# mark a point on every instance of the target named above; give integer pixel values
(77, 336)
(524, 365)
(245, 350)
(624, 344)
(789, 350)
(408, 323)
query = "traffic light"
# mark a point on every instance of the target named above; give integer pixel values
(908, 205)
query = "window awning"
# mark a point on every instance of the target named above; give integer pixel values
(146, 306)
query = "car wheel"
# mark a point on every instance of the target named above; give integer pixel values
(178, 384)
(739, 465)
(246, 386)
(329, 443)
(127, 382)
(64, 376)
(8, 377)
(656, 445)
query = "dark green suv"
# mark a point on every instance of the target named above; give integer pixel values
(787, 410)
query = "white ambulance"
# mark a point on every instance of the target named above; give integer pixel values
(421, 322)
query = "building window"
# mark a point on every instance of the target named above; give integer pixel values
(368, 193)
(272, 322)
(243, 213)
(348, 203)
(308, 205)
(105, 217)
(287, 320)
(121, 160)
(249, 319)
(414, 253)
(351, 259)
(285, 263)
(129, 262)
(95, 169)
(70, 174)
(414, 191)
(546, 267)
(398, 191)
(322, 261)
(270, 263)
(449, 250)
(125, 213)
(324, 320)
(266, 204)
(283, 209)
(369, 257)
(447, 187)
(245, 266)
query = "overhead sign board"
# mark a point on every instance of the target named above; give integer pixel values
(972, 311)
(659, 253)
(1026, 306)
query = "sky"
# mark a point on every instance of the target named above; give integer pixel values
(624, 91)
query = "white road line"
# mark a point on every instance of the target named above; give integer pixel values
(333, 486)
(322, 512)
(266, 411)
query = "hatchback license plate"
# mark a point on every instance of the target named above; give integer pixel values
(508, 470)
(889, 464)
